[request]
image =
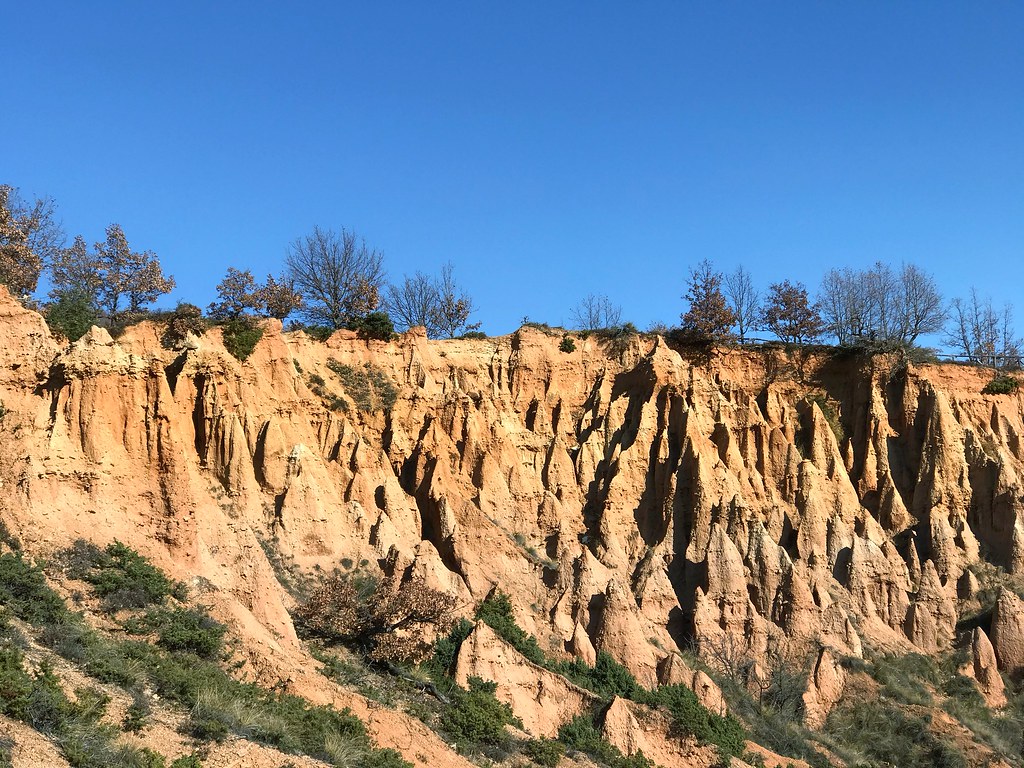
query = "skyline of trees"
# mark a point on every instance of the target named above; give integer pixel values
(333, 279)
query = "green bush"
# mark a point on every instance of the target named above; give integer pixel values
(383, 758)
(241, 336)
(72, 315)
(119, 575)
(580, 735)
(831, 415)
(376, 325)
(39, 701)
(187, 761)
(618, 337)
(1002, 385)
(607, 678)
(97, 657)
(496, 612)
(567, 345)
(182, 629)
(134, 720)
(545, 752)
(473, 335)
(446, 649)
(171, 667)
(369, 386)
(475, 717)
(691, 717)
(15, 684)
(25, 593)
(319, 333)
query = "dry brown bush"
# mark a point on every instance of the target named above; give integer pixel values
(386, 620)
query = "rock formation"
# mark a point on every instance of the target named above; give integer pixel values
(627, 498)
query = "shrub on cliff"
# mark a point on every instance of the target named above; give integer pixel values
(182, 629)
(375, 325)
(186, 318)
(25, 593)
(607, 678)
(72, 315)
(385, 620)
(241, 335)
(119, 574)
(580, 735)
(691, 717)
(476, 718)
(544, 752)
(368, 386)
(496, 612)
(1001, 385)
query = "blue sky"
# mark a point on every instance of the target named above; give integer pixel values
(548, 150)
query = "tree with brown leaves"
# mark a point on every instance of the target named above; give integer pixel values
(709, 317)
(279, 297)
(129, 279)
(29, 236)
(239, 294)
(789, 314)
(75, 271)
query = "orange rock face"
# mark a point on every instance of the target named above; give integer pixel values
(627, 499)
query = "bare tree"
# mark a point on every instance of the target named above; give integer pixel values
(453, 305)
(338, 276)
(596, 311)
(436, 303)
(983, 334)
(29, 236)
(879, 304)
(414, 303)
(921, 309)
(127, 276)
(744, 300)
(882, 302)
(843, 303)
(709, 317)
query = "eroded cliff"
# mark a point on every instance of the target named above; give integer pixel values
(626, 498)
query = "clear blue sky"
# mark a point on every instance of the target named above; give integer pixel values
(548, 149)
